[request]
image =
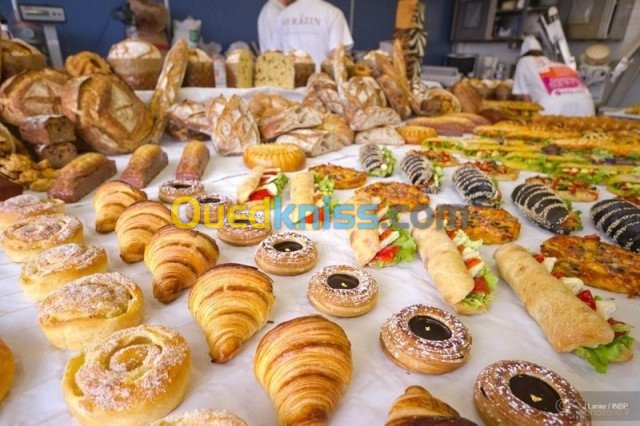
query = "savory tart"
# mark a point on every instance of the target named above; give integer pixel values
(437, 157)
(497, 170)
(492, 225)
(396, 194)
(343, 177)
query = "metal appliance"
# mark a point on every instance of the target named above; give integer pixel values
(47, 16)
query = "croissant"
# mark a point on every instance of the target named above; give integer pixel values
(110, 200)
(305, 365)
(417, 406)
(136, 225)
(176, 258)
(231, 302)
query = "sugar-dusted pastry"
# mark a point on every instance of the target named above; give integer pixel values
(7, 369)
(209, 208)
(145, 164)
(239, 230)
(193, 161)
(110, 200)
(172, 189)
(426, 340)
(25, 206)
(343, 291)
(522, 393)
(136, 225)
(287, 253)
(135, 376)
(54, 267)
(85, 311)
(29, 237)
(418, 407)
(81, 176)
(305, 365)
(176, 257)
(202, 418)
(231, 302)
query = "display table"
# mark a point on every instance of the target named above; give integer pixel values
(505, 332)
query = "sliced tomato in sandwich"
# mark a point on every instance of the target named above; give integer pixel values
(480, 285)
(260, 194)
(386, 255)
(309, 218)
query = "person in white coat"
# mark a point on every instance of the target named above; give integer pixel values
(267, 23)
(313, 26)
(553, 85)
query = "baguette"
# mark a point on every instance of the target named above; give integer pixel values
(567, 322)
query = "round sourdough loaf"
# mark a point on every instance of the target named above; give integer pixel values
(107, 113)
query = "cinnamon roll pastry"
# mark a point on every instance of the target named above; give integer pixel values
(176, 258)
(24, 206)
(522, 393)
(418, 407)
(305, 365)
(135, 376)
(211, 207)
(426, 340)
(202, 418)
(231, 302)
(288, 253)
(195, 157)
(342, 291)
(175, 188)
(54, 267)
(110, 200)
(29, 237)
(7, 369)
(89, 309)
(242, 231)
(136, 225)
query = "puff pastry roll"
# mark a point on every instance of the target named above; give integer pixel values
(110, 200)
(135, 376)
(231, 302)
(89, 309)
(305, 365)
(176, 258)
(136, 225)
(418, 407)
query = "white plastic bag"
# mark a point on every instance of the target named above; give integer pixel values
(189, 29)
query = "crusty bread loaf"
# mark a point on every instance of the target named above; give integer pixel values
(137, 62)
(85, 63)
(31, 93)
(239, 66)
(58, 155)
(303, 66)
(275, 69)
(313, 142)
(47, 129)
(188, 120)
(199, 70)
(233, 127)
(107, 113)
(81, 176)
(384, 135)
(18, 56)
(283, 121)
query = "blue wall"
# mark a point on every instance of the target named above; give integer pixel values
(90, 27)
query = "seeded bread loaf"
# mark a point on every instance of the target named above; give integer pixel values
(275, 69)
(239, 65)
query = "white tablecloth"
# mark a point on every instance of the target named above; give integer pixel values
(504, 332)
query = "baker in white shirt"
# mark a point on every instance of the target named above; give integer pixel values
(267, 23)
(314, 26)
(553, 85)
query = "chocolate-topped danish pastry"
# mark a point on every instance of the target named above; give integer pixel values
(175, 188)
(545, 208)
(288, 253)
(241, 230)
(620, 220)
(426, 340)
(522, 393)
(476, 187)
(342, 291)
(211, 208)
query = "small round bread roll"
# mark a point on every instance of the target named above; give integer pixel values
(29, 237)
(7, 369)
(135, 376)
(202, 418)
(89, 309)
(59, 265)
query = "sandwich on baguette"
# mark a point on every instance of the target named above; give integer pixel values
(458, 271)
(581, 324)
(312, 192)
(384, 245)
(261, 184)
